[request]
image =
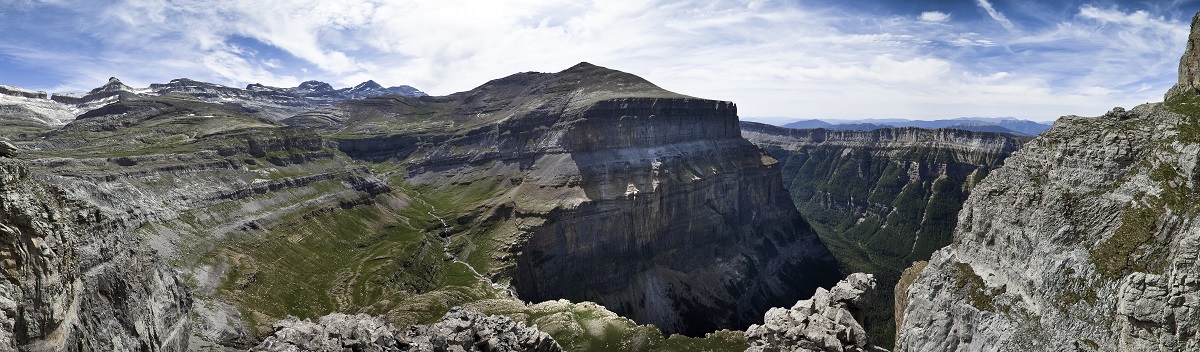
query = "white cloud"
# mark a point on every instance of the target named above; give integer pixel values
(772, 59)
(934, 16)
(996, 15)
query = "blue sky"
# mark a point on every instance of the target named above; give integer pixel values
(779, 60)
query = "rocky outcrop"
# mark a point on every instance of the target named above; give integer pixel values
(110, 92)
(830, 321)
(467, 330)
(1083, 240)
(458, 330)
(334, 332)
(1189, 65)
(75, 280)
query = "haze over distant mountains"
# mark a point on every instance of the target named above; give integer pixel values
(1008, 125)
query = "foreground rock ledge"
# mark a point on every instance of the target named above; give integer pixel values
(459, 330)
(830, 321)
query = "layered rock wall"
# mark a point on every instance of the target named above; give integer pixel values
(1083, 240)
(675, 220)
(77, 280)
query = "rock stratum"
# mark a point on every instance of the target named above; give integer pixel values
(76, 280)
(1082, 241)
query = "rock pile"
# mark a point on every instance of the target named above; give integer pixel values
(830, 321)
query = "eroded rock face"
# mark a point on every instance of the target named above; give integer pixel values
(679, 223)
(1189, 65)
(830, 321)
(1085, 239)
(459, 330)
(75, 280)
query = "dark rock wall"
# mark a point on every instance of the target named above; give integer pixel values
(687, 226)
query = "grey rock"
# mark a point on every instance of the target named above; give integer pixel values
(1085, 240)
(334, 332)
(829, 321)
(466, 330)
(458, 330)
(76, 280)
(1189, 65)
(1070, 246)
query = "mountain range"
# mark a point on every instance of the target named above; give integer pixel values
(1011, 126)
(30, 112)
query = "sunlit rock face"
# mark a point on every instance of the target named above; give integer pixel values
(76, 279)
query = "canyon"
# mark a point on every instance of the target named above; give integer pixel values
(586, 209)
(528, 197)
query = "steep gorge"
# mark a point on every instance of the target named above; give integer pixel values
(884, 198)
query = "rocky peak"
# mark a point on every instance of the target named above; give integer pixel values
(314, 87)
(256, 87)
(366, 87)
(113, 85)
(1189, 64)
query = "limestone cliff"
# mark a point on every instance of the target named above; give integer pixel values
(1189, 65)
(883, 198)
(76, 280)
(1084, 240)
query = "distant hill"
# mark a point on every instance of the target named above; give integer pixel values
(1007, 125)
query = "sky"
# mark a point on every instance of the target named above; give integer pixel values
(779, 61)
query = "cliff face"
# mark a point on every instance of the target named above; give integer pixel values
(884, 198)
(1189, 65)
(76, 280)
(1082, 240)
(673, 220)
